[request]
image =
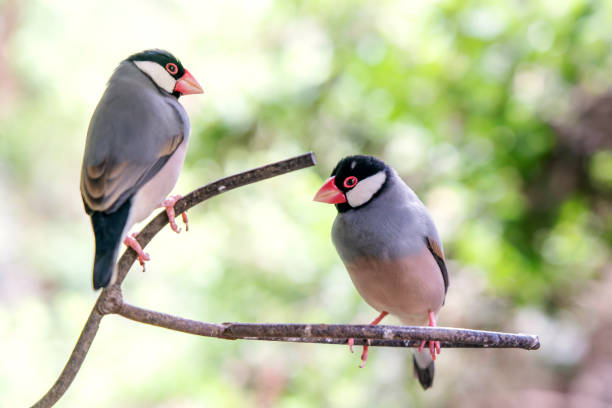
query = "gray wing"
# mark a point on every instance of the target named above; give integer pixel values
(434, 244)
(425, 227)
(133, 132)
(436, 251)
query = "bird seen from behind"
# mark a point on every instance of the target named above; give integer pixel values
(136, 144)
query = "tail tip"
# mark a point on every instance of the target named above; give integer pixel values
(103, 271)
(425, 375)
(100, 281)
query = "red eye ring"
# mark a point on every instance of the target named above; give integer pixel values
(171, 68)
(350, 182)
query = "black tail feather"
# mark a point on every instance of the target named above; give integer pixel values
(424, 374)
(108, 229)
(103, 268)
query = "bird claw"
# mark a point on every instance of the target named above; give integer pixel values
(168, 204)
(364, 354)
(434, 345)
(185, 221)
(131, 242)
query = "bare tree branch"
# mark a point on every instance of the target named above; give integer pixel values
(208, 191)
(391, 336)
(110, 301)
(74, 363)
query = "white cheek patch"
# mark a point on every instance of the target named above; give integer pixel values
(365, 189)
(158, 74)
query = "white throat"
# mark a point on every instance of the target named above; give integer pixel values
(158, 74)
(365, 189)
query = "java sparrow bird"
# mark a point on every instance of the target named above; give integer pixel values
(136, 145)
(390, 247)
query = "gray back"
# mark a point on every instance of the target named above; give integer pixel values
(134, 129)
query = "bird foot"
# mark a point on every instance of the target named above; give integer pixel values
(168, 204)
(131, 242)
(434, 345)
(364, 353)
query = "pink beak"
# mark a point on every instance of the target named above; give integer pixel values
(329, 193)
(187, 84)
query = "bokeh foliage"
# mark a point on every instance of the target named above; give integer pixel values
(466, 99)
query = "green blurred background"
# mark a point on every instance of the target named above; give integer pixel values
(496, 113)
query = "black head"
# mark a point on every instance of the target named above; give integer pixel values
(166, 72)
(354, 182)
(161, 57)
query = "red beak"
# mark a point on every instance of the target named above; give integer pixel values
(329, 193)
(187, 84)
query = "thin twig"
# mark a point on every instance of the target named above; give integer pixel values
(208, 191)
(110, 301)
(391, 336)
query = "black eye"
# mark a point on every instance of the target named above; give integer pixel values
(350, 181)
(171, 68)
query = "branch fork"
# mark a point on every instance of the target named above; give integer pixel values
(111, 301)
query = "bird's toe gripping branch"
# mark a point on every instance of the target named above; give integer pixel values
(364, 353)
(131, 242)
(434, 345)
(168, 204)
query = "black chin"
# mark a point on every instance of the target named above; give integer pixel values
(176, 94)
(343, 207)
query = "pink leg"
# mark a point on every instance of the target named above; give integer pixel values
(434, 345)
(379, 318)
(351, 343)
(169, 203)
(130, 242)
(364, 354)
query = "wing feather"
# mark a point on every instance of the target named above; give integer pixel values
(438, 255)
(132, 134)
(115, 182)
